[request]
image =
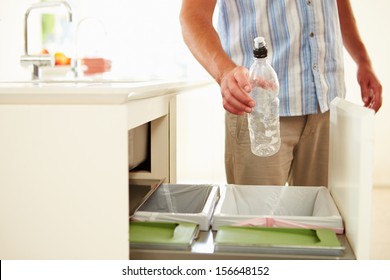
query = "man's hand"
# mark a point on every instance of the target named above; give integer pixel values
(235, 89)
(371, 89)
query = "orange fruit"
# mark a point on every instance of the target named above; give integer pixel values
(61, 59)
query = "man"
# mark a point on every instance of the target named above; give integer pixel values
(305, 41)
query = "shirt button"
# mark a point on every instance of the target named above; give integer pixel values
(311, 34)
(314, 66)
(309, 2)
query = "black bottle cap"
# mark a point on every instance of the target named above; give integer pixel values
(261, 52)
(259, 48)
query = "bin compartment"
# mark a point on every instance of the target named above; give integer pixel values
(180, 203)
(277, 206)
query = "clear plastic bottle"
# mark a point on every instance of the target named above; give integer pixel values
(263, 121)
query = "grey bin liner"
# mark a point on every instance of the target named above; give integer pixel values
(180, 203)
(294, 206)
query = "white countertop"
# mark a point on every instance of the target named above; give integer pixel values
(90, 92)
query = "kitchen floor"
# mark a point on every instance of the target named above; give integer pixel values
(380, 242)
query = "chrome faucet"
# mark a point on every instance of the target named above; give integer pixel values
(44, 59)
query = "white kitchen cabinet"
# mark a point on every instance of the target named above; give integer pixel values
(63, 182)
(64, 164)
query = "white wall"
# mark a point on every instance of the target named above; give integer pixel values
(143, 39)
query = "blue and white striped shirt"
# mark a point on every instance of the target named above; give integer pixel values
(304, 44)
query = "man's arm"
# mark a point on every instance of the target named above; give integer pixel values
(204, 43)
(371, 89)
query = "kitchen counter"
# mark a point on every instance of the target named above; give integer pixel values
(89, 92)
(64, 163)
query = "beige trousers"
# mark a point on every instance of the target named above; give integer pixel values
(301, 161)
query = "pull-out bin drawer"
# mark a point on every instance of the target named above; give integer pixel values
(277, 206)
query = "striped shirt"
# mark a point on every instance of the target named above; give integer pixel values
(304, 44)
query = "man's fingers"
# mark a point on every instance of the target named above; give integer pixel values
(241, 75)
(235, 89)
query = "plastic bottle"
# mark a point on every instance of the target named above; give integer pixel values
(263, 121)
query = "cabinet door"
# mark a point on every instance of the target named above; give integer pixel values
(351, 170)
